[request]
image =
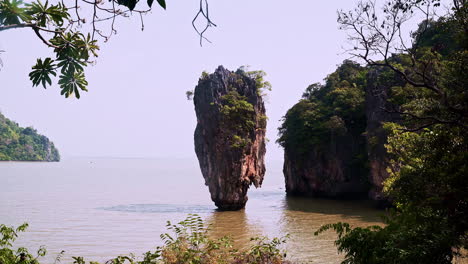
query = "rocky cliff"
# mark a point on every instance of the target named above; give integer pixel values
(230, 135)
(24, 144)
(324, 149)
(378, 93)
(326, 171)
(334, 140)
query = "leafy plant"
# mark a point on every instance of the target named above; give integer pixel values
(60, 29)
(238, 117)
(188, 242)
(8, 235)
(259, 77)
(427, 149)
(326, 111)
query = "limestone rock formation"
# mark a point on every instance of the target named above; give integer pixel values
(377, 101)
(24, 144)
(334, 140)
(230, 135)
(327, 171)
(322, 136)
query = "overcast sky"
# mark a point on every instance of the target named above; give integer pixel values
(136, 104)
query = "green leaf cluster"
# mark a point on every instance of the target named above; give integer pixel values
(259, 77)
(17, 143)
(73, 49)
(238, 117)
(326, 111)
(131, 4)
(428, 156)
(21, 255)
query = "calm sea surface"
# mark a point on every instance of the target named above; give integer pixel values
(99, 208)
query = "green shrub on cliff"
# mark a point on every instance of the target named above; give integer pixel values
(326, 111)
(259, 77)
(17, 143)
(238, 116)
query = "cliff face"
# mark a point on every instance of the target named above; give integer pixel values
(377, 101)
(24, 144)
(334, 140)
(322, 136)
(230, 136)
(327, 171)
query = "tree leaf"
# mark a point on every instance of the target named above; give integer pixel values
(162, 3)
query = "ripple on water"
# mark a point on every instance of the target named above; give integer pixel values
(161, 208)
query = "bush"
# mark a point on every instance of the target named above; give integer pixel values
(188, 242)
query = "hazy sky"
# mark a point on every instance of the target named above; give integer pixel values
(136, 104)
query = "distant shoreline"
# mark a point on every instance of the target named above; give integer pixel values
(5, 161)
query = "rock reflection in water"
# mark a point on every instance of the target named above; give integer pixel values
(234, 224)
(301, 217)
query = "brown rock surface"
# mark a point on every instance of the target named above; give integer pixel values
(229, 169)
(327, 171)
(377, 96)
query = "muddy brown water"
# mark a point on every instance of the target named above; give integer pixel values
(99, 208)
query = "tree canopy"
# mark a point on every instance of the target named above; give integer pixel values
(25, 144)
(326, 109)
(428, 149)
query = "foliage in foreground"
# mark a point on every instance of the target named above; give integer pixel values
(188, 243)
(430, 220)
(59, 27)
(428, 149)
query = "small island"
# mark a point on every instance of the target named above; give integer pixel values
(230, 134)
(334, 137)
(24, 144)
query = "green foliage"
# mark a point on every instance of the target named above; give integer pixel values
(42, 71)
(439, 35)
(188, 242)
(430, 189)
(428, 149)
(189, 95)
(43, 14)
(428, 172)
(21, 255)
(326, 111)
(204, 75)
(132, 3)
(259, 77)
(73, 49)
(238, 117)
(303, 127)
(11, 12)
(408, 237)
(18, 143)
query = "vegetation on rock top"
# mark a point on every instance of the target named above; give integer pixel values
(24, 144)
(335, 108)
